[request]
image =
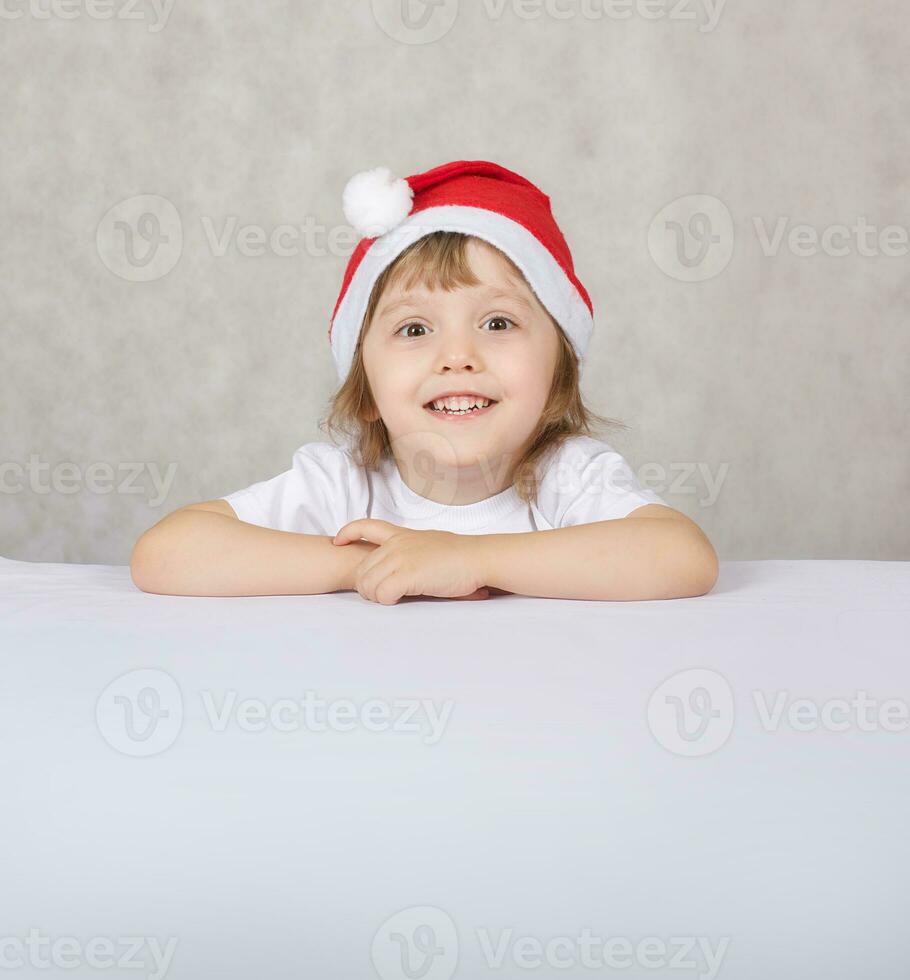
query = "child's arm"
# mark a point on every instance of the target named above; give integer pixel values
(654, 553)
(205, 550)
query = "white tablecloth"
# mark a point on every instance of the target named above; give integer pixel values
(320, 786)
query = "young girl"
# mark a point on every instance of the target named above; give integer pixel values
(469, 467)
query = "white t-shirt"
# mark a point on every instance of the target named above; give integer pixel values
(585, 481)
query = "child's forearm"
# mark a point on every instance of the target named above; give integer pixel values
(633, 558)
(202, 553)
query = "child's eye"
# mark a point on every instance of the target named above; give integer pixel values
(405, 327)
(499, 319)
(493, 319)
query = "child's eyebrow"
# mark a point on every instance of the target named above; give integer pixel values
(514, 297)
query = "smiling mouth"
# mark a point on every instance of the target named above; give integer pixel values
(467, 413)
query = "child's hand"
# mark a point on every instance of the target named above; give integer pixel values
(408, 562)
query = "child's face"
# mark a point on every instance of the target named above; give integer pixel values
(495, 339)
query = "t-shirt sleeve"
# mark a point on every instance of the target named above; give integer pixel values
(588, 481)
(314, 496)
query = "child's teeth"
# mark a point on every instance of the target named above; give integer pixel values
(460, 406)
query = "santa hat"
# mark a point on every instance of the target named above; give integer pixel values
(474, 197)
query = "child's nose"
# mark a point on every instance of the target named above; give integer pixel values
(460, 351)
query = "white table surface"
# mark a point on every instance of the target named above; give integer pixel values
(556, 795)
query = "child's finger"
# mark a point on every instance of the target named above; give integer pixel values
(480, 593)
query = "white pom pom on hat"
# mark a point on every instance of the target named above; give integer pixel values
(376, 201)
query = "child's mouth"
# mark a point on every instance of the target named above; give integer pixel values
(456, 415)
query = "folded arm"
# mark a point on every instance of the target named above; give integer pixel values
(654, 553)
(205, 550)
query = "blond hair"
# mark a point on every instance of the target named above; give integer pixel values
(439, 261)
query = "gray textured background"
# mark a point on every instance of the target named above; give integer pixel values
(767, 399)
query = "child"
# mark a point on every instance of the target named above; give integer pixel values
(459, 336)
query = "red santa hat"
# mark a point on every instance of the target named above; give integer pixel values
(474, 197)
